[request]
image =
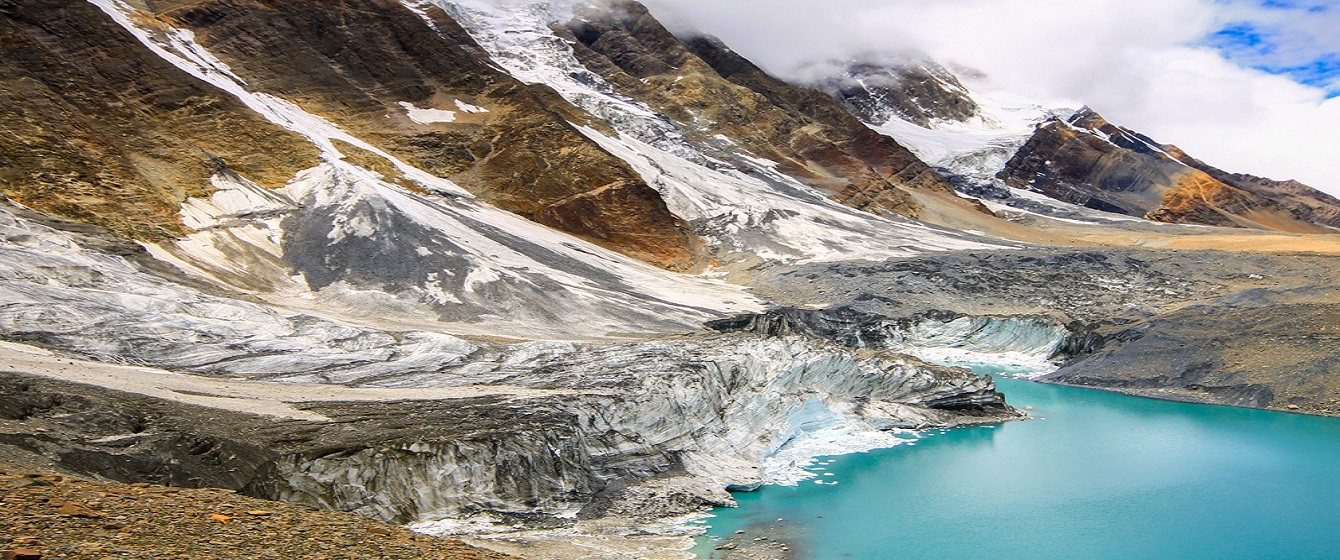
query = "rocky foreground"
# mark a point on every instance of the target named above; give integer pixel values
(48, 517)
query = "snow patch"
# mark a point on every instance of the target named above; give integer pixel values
(474, 109)
(981, 146)
(428, 116)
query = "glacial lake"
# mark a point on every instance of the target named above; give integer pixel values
(1094, 476)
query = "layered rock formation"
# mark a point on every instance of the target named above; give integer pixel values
(941, 336)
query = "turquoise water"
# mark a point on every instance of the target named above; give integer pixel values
(1095, 476)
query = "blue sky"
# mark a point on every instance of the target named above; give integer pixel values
(1297, 39)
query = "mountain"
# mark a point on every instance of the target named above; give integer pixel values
(1070, 155)
(489, 265)
(1088, 161)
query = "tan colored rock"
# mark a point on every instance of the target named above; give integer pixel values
(72, 509)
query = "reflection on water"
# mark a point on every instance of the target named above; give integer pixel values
(1094, 475)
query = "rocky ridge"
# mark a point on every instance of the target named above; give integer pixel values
(991, 146)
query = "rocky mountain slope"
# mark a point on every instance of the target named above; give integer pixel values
(429, 96)
(709, 89)
(1088, 161)
(119, 140)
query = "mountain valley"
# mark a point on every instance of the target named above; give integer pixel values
(554, 279)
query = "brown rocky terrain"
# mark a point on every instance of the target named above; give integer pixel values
(711, 90)
(53, 517)
(94, 127)
(1091, 162)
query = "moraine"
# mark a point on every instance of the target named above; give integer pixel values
(1093, 475)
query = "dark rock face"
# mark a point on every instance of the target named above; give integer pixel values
(125, 437)
(836, 324)
(919, 92)
(708, 89)
(854, 328)
(96, 128)
(520, 154)
(1093, 163)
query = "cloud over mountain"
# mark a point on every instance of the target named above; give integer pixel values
(1152, 64)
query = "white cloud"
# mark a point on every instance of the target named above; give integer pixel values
(1138, 62)
(1292, 35)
